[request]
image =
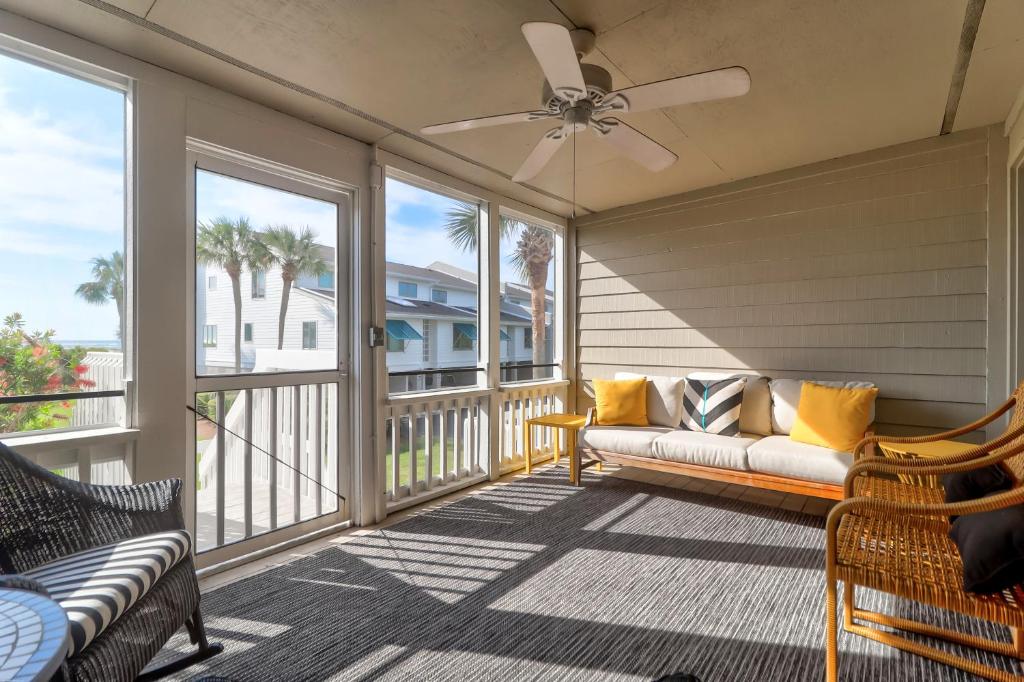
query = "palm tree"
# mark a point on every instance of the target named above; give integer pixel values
(535, 247)
(297, 254)
(232, 245)
(107, 285)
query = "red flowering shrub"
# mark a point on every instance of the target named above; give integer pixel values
(34, 364)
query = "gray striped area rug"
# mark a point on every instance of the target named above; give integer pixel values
(538, 580)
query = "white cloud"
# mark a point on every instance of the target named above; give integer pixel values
(50, 174)
(422, 245)
(13, 240)
(218, 195)
(398, 194)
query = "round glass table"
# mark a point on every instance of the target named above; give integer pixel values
(34, 636)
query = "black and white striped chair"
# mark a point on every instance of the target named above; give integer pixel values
(116, 558)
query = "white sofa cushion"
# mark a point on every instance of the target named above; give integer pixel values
(664, 398)
(785, 394)
(784, 457)
(756, 413)
(623, 440)
(706, 449)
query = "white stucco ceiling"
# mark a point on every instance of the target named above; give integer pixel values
(828, 78)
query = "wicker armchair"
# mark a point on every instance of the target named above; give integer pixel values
(918, 481)
(46, 518)
(900, 545)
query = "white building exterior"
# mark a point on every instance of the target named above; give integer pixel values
(431, 314)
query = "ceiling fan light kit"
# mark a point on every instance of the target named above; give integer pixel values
(581, 96)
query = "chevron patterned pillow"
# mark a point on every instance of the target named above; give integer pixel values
(713, 406)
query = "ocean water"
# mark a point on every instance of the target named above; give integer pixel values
(106, 344)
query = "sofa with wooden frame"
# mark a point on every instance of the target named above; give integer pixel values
(761, 456)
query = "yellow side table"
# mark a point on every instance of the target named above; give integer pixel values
(572, 423)
(935, 448)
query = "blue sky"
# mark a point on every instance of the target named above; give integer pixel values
(416, 233)
(61, 196)
(219, 195)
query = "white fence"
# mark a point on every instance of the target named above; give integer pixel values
(107, 371)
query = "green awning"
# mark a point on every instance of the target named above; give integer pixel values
(504, 335)
(402, 330)
(466, 328)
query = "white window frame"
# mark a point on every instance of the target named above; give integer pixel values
(210, 336)
(257, 288)
(50, 60)
(437, 294)
(248, 332)
(415, 289)
(315, 333)
(488, 328)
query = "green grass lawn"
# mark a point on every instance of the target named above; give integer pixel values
(421, 462)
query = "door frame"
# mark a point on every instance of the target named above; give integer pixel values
(213, 158)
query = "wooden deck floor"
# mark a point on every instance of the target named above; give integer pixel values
(234, 512)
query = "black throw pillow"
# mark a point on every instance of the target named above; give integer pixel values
(991, 546)
(970, 485)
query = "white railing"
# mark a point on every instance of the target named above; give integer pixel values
(519, 403)
(100, 456)
(435, 442)
(431, 441)
(242, 491)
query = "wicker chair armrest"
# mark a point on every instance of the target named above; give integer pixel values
(967, 455)
(881, 466)
(591, 415)
(944, 435)
(876, 506)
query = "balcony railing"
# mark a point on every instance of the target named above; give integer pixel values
(435, 442)
(241, 491)
(431, 441)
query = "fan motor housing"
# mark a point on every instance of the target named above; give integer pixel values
(599, 84)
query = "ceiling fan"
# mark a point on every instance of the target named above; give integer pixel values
(581, 96)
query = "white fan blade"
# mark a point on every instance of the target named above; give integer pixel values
(634, 144)
(553, 48)
(698, 87)
(542, 153)
(486, 121)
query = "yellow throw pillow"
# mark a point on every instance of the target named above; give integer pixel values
(833, 417)
(622, 402)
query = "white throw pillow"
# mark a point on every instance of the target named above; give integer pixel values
(664, 398)
(786, 399)
(756, 414)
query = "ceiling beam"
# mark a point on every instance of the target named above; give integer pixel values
(972, 20)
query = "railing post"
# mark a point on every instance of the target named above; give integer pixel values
(413, 450)
(428, 445)
(84, 456)
(247, 462)
(396, 424)
(444, 441)
(220, 468)
(317, 446)
(272, 471)
(296, 453)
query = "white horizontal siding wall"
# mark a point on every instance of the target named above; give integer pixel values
(216, 307)
(871, 267)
